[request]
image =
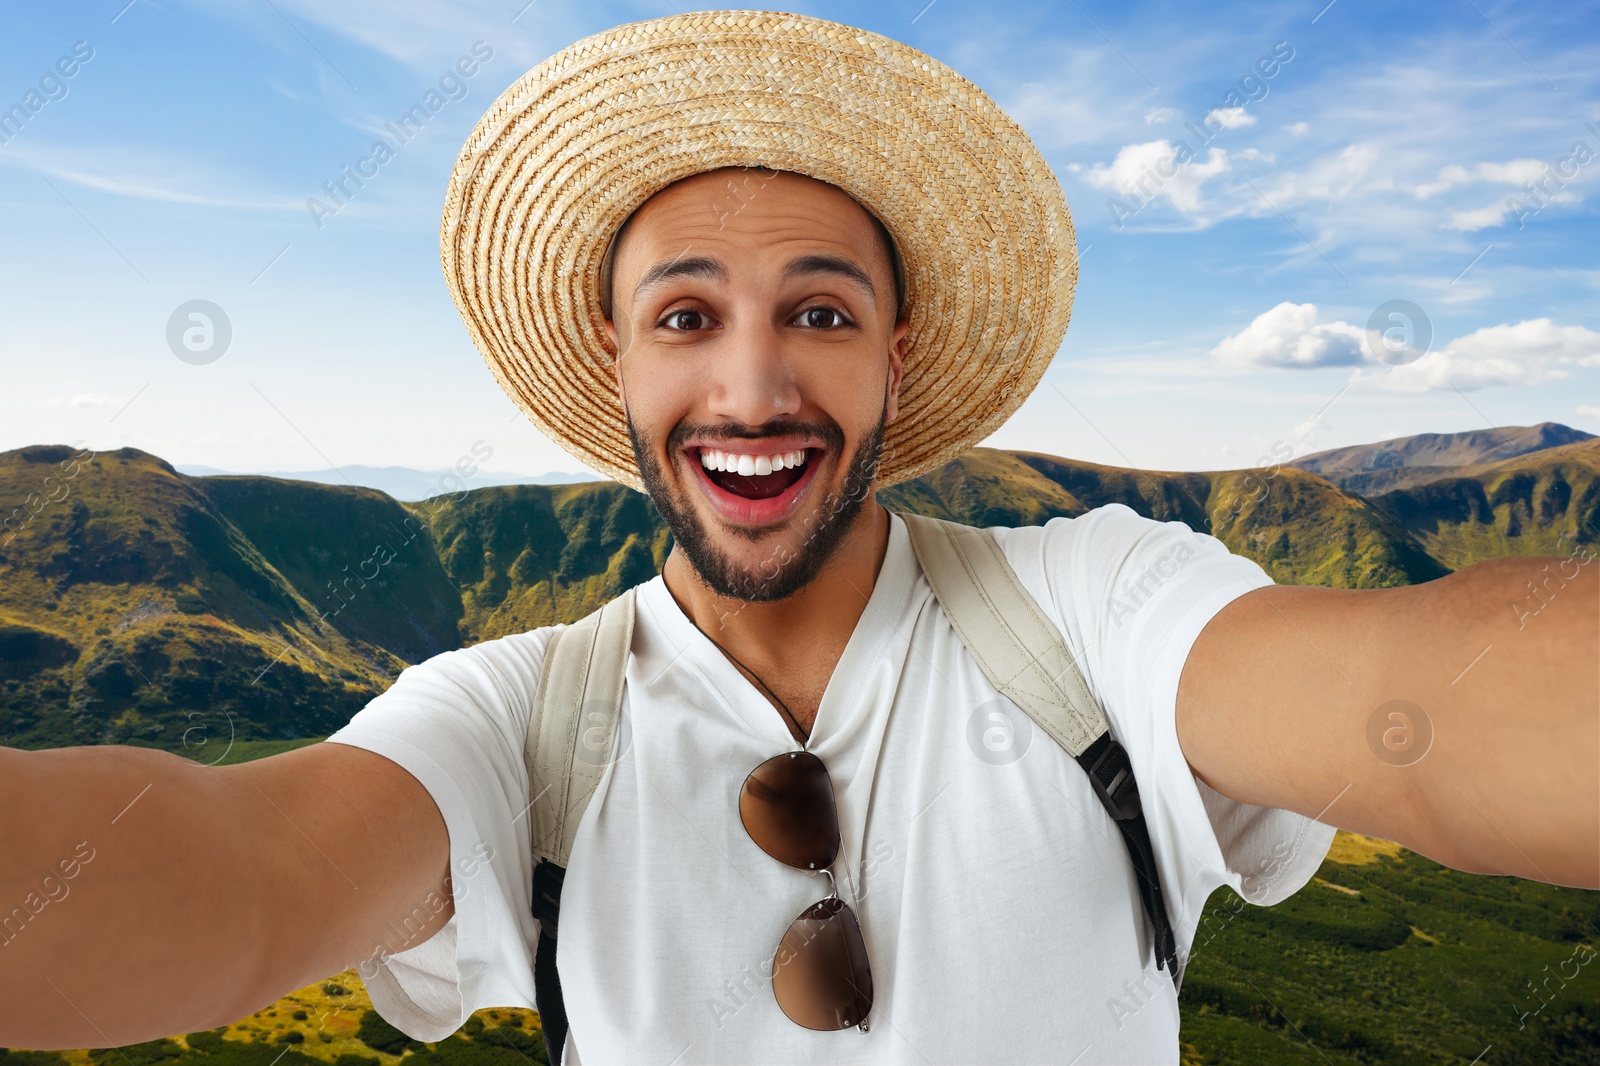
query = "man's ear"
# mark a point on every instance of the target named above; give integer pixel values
(897, 341)
(616, 360)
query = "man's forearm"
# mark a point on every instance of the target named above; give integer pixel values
(1460, 717)
(111, 927)
(1512, 783)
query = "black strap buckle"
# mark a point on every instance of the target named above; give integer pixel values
(1111, 775)
(546, 907)
(1111, 772)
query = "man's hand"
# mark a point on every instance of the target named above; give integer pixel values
(197, 895)
(1460, 717)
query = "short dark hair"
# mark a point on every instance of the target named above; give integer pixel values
(890, 250)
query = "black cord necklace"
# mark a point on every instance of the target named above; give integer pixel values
(806, 737)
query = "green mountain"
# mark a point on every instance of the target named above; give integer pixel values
(1393, 464)
(138, 605)
(1301, 529)
(141, 605)
(525, 556)
(1543, 503)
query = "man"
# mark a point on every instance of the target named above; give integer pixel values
(775, 361)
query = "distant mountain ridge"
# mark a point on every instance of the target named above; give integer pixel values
(1393, 464)
(404, 483)
(142, 605)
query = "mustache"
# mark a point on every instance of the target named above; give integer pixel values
(827, 432)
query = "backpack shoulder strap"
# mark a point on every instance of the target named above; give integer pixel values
(571, 727)
(573, 722)
(1024, 656)
(1016, 646)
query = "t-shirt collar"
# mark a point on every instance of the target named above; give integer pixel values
(882, 619)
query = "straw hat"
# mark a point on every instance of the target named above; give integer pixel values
(581, 140)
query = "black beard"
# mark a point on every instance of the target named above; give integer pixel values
(785, 571)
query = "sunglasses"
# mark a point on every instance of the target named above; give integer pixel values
(819, 973)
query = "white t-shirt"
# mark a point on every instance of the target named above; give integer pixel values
(999, 909)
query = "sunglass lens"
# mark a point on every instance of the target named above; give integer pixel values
(787, 807)
(820, 973)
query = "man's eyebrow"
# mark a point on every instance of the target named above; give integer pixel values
(701, 266)
(697, 266)
(830, 264)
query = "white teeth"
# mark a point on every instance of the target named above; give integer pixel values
(712, 459)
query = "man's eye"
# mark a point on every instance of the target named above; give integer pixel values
(683, 320)
(822, 318)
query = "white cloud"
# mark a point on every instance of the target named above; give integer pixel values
(1159, 115)
(1512, 172)
(1229, 118)
(1142, 172)
(145, 174)
(1298, 129)
(1532, 352)
(1535, 186)
(1513, 206)
(1330, 178)
(1289, 336)
(1476, 219)
(1588, 412)
(1069, 109)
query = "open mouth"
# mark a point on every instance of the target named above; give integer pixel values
(754, 477)
(755, 490)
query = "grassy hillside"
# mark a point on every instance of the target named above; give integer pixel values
(1387, 957)
(134, 610)
(1546, 503)
(525, 556)
(1300, 528)
(363, 560)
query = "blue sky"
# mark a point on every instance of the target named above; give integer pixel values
(1441, 154)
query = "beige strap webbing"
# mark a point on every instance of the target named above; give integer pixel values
(574, 722)
(1017, 647)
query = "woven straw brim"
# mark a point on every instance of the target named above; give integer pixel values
(566, 153)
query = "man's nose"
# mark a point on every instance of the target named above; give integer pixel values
(754, 381)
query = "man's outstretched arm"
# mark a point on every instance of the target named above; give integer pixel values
(197, 895)
(1460, 717)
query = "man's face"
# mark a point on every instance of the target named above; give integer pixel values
(759, 363)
